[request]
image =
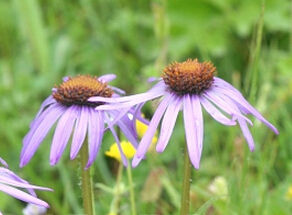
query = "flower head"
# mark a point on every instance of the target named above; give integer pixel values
(69, 105)
(12, 184)
(187, 87)
(127, 149)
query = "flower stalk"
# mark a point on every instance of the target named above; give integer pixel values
(86, 182)
(185, 199)
(116, 201)
(131, 187)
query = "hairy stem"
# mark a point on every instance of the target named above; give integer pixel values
(185, 199)
(131, 187)
(87, 187)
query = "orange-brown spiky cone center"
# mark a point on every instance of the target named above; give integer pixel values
(77, 90)
(189, 77)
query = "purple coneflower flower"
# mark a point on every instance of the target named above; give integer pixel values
(69, 105)
(10, 184)
(189, 86)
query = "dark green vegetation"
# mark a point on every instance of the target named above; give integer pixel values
(250, 44)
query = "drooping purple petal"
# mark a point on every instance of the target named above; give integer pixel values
(95, 134)
(79, 131)
(118, 115)
(124, 159)
(234, 107)
(127, 130)
(9, 174)
(126, 104)
(37, 121)
(137, 114)
(215, 113)
(243, 104)
(228, 107)
(168, 123)
(246, 133)
(9, 181)
(191, 132)
(107, 78)
(199, 122)
(151, 94)
(22, 195)
(129, 122)
(136, 160)
(242, 124)
(147, 138)
(31, 144)
(62, 133)
(49, 100)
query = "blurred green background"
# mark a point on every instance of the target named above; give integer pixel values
(250, 43)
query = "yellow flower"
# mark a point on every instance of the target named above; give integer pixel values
(289, 193)
(127, 148)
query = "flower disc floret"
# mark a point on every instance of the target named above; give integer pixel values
(189, 77)
(77, 90)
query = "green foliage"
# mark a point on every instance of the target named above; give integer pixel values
(248, 41)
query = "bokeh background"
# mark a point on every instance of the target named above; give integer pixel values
(250, 43)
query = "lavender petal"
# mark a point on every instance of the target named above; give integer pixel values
(228, 107)
(31, 144)
(124, 159)
(146, 140)
(107, 78)
(128, 133)
(9, 181)
(8, 173)
(151, 94)
(199, 122)
(49, 100)
(168, 123)
(95, 134)
(215, 113)
(62, 133)
(37, 121)
(246, 133)
(243, 104)
(22, 195)
(79, 131)
(191, 136)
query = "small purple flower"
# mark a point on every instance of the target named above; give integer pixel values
(69, 105)
(188, 87)
(10, 184)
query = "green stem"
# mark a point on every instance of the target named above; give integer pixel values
(185, 200)
(253, 70)
(86, 183)
(131, 187)
(116, 200)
